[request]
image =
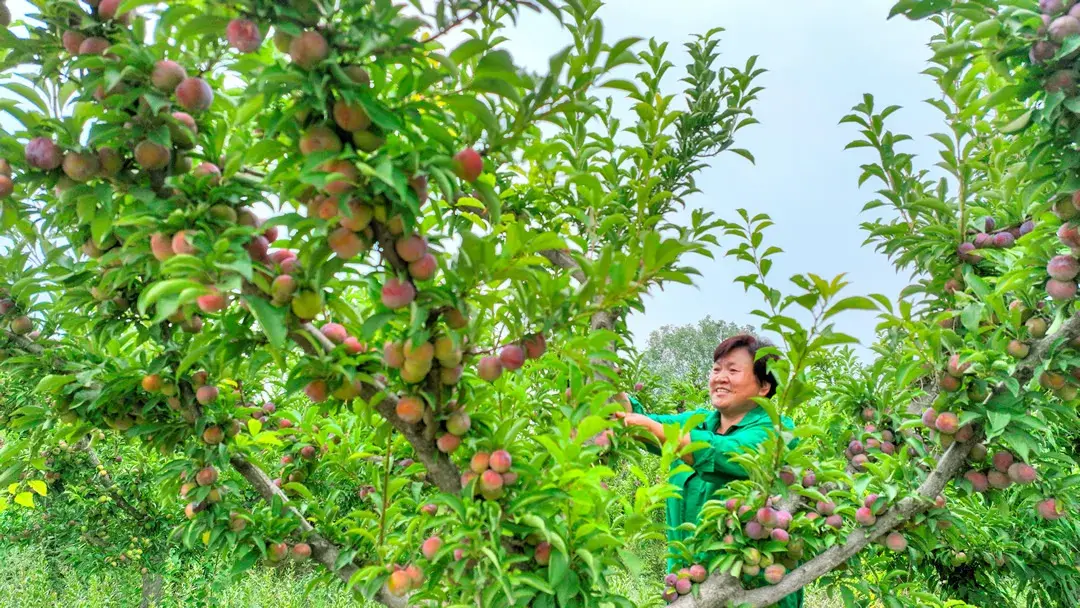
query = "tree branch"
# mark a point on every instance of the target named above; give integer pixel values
(324, 551)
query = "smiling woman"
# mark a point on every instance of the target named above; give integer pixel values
(733, 424)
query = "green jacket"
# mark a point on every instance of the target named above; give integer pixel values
(712, 468)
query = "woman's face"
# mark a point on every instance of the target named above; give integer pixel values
(732, 383)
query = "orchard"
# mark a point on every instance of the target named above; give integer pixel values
(331, 290)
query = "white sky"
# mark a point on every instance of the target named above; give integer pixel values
(821, 57)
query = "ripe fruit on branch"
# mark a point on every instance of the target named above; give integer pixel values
(411, 248)
(81, 166)
(22, 325)
(206, 395)
(397, 293)
(243, 35)
(775, 573)
(399, 583)
(152, 156)
(468, 165)
(458, 423)
(978, 480)
(335, 332)
(346, 244)
(455, 319)
(107, 9)
(181, 245)
(350, 116)
(208, 170)
(301, 552)
(358, 217)
(206, 476)
(500, 461)
(213, 435)
(194, 95)
(410, 409)
(278, 551)
(308, 49)
(447, 443)
(1062, 267)
(1060, 290)
(1022, 473)
(1063, 27)
(152, 383)
(430, 547)
(72, 40)
(393, 355)
(94, 46)
(42, 153)
(424, 268)
(512, 357)
(489, 369)
(1049, 509)
(535, 346)
(214, 301)
(896, 542)
(347, 180)
(955, 368)
(316, 390)
(167, 75)
(865, 517)
(1036, 327)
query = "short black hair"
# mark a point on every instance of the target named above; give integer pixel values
(752, 344)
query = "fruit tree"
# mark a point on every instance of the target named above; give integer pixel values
(360, 283)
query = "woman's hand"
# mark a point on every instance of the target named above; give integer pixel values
(631, 419)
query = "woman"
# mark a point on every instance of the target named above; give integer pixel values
(734, 424)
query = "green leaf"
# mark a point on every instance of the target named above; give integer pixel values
(51, 382)
(162, 288)
(247, 561)
(271, 318)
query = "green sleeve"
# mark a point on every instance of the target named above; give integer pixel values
(661, 418)
(715, 457)
(651, 446)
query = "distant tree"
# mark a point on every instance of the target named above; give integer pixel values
(683, 353)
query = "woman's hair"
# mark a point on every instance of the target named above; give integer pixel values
(751, 344)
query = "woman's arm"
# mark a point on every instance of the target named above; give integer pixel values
(655, 428)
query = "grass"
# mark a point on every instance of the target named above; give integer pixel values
(28, 579)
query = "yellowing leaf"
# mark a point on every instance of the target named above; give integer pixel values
(25, 499)
(206, 537)
(38, 486)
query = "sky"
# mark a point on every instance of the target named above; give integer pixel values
(820, 57)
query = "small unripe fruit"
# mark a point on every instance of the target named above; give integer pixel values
(152, 156)
(278, 551)
(468, 165)
(308, 49)
(81, 166)
(194, 95)
(151, 383)
(307, 304)
(1036, 327)
(1017, 349)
